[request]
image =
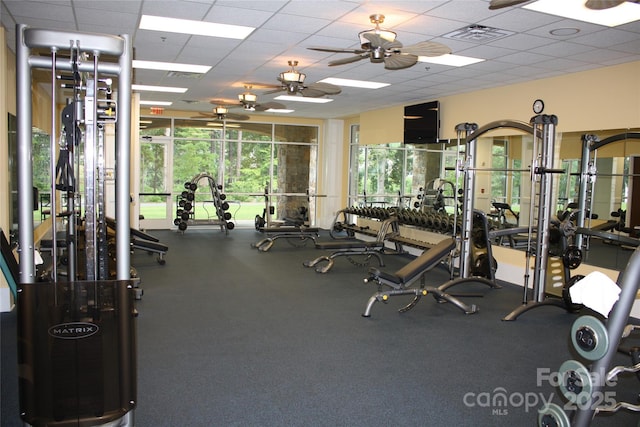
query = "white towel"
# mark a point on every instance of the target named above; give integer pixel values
(596, 291)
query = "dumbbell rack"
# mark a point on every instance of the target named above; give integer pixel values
(185, 215)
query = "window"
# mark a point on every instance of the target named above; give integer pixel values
(245, 159)
(392, 174)
(499, 162)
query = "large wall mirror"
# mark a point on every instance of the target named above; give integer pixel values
(503, 184)
(612, 216)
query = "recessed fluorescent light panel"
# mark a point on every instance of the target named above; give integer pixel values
(303, 99)
(450, 59)
(279, 110)
(354, 83)
(199, 28)
(575, 9)
(162, 103)
(170, 66)
(159, 88)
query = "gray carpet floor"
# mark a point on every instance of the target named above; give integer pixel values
(230, 336)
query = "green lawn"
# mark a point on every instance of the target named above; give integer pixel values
(240, 211)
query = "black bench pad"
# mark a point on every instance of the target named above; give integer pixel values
(149, 245)
(419, 265)
(349, 244)
(290, 229)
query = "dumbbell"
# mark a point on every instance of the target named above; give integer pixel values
(420, 218)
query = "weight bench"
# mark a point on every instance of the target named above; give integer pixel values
(287, 232)
(388, 228)
(400, 281)
(143, 241)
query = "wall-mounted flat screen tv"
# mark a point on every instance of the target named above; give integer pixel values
(422, 123)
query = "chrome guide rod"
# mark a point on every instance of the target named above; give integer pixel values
(123, 160)
(53, 200)
(24, 154)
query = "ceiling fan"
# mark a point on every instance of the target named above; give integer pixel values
(292, 82)
(249, 101)
(221, 112)
(590, 4)
(380, 45)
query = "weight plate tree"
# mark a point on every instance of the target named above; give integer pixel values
(598, 344)
(76, 338)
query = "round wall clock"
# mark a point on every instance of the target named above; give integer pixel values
(538, 106)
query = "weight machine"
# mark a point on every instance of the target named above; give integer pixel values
(300, 220)
(542, 128)
(76, 338)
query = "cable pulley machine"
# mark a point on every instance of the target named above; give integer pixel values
(76, 329)
(543, 131)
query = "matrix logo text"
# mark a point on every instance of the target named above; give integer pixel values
(73, 330)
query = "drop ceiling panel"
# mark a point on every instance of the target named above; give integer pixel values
(286, 29)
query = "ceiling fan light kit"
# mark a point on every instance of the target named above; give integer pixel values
(248, 100)
(386, 35)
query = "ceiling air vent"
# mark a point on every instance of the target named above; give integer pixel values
(184, 74)
(478, 34)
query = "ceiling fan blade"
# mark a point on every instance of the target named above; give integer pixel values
(394, 45)
(499, 4)
(337, 50)
(270, 106)
(256, 85)
(238, 117)
(347, 60)
(311, 92)
(377, 41)
(426, 49)
(225, 102)
(326, 88)
(399, 61)
(602, 4)
(204, 116)
(275, 90)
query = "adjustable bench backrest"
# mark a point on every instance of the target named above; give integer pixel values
(425, 262)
